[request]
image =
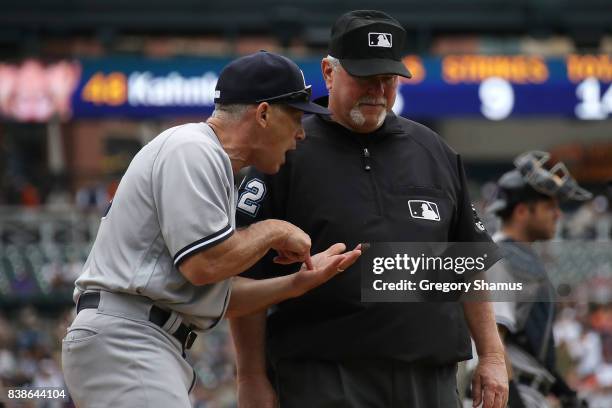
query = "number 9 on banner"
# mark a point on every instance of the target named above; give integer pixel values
(496, 98)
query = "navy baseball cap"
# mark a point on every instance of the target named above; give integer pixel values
(369, 42)
(265, 77)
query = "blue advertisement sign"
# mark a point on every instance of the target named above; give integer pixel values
(491, 87)
(136, 87)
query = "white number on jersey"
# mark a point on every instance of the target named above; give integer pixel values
(251, 197)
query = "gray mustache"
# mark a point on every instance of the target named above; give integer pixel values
(372, 101)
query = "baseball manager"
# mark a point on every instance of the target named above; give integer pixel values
(160, 268)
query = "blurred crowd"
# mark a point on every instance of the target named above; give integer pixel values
(30, 353)
(90, 198)
(583, 337)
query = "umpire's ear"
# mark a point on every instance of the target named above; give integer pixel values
(327, 69)
(262, 114)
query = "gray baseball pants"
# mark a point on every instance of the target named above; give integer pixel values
(114, 357)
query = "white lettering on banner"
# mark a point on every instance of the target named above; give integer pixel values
(145, 89)
(593, 104)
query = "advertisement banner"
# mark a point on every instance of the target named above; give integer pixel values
(493, 87)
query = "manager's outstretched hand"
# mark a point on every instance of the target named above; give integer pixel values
(325, 265)
(249, 295)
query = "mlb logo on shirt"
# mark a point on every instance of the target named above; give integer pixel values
(425, 210)
(384, 40)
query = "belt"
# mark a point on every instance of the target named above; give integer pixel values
(157, 315)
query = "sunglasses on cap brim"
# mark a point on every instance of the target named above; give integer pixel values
(556, 182)
(303, 95)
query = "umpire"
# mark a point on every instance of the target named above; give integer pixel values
(159, 269)
(354, 179)
(527, 203)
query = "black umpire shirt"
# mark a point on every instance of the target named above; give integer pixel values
(341, 186)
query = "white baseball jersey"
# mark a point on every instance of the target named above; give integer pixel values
(176, 198)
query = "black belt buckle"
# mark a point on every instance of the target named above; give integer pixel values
(191, 336)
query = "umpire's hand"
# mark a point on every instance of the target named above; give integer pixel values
(490, 382)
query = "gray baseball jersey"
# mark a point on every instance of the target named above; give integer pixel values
(176, 198)
(520, 265)
(511, 315)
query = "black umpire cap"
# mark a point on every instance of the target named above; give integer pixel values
(369, 42)
(531, 181)
(265, 77)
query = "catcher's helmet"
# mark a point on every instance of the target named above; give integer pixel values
(531, 181)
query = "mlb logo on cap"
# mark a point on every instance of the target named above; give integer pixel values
(369, 42)
(380, 40)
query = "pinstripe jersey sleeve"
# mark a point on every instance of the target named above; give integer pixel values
(193, 183)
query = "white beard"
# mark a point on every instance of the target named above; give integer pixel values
(356, 116)
(358, 119)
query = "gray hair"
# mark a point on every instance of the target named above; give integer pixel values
(333, 61)
(231, 112)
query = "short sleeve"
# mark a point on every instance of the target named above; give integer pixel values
(467, 227)
(505, 312)
(192, 197)
(253, 199)
(505, 315)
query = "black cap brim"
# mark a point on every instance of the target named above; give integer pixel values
(375, 66)
(308, 107)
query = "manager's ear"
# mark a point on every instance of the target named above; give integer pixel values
(262, 114)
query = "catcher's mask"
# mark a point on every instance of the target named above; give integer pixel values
(531, 181)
